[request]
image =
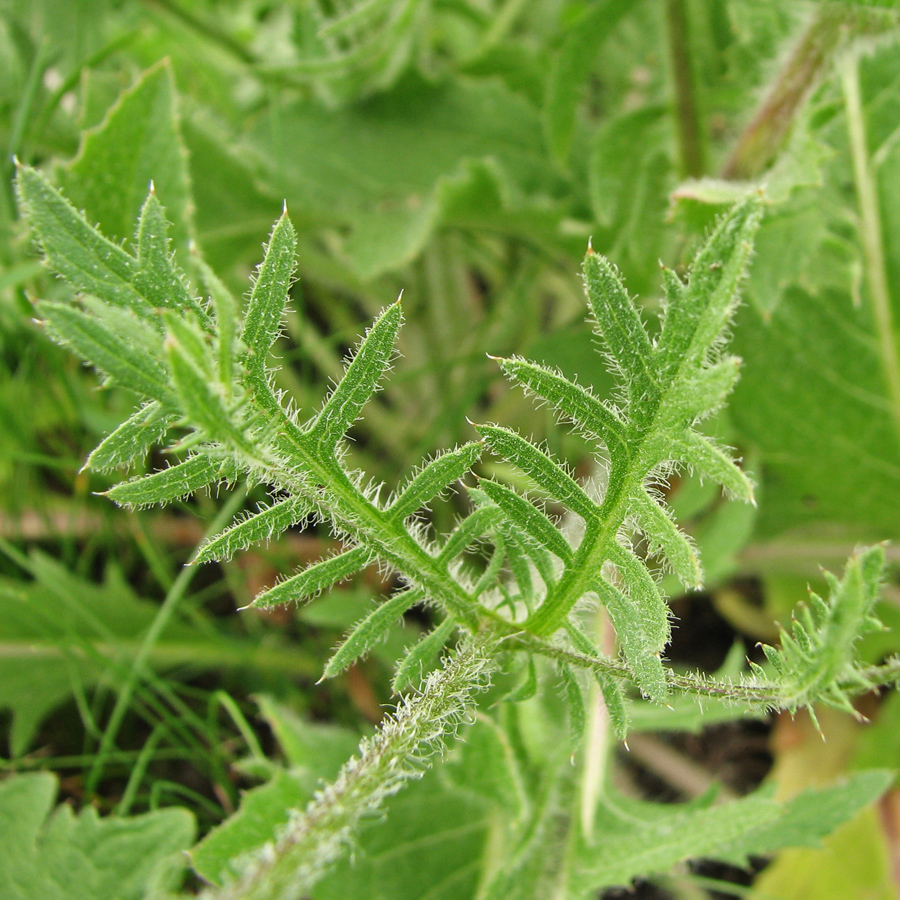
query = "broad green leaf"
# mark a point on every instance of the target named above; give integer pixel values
(431, 845)
(255, 528)
(370, 630)
(632, 847)
(824, 426)
(56, 854)
(262, 812)
(61, 635)
(137, 143)
(173, 483)
(314, 579)
(359, 382)
(395, 159)
(314, 752)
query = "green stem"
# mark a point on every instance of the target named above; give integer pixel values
(417, 732)
(356, 514)
(871, 234)
(687, 117)
(768, 129)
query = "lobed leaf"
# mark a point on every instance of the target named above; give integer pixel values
(177, 481)
(421, 655)
(75, 250)
(95, 341)
(620, 326)
(132, 439)
(709, 461)
(262, 320)
(264, 525)
(528, 517)
(572, 400)
(706, 303)
(546, 472)
(199, 395)
(438, 474)
(359, 382)
(226, 314)
(664, 535)
(370, 630)
(477, 524)
(156, 277)
(630, 626)
(817, 662)
(314, 579)
(646, 595)
(574, 698)
(613, 697)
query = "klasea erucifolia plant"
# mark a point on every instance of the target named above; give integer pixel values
(198, 360)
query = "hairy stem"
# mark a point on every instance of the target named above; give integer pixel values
(768, 129)
(402, 747)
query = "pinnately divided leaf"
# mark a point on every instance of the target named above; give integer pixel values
(370, 630)
(360, 380)
(437, 475)
(264, 525)
(173, 483)
(816, 662)
(314, 579)
(132, 439)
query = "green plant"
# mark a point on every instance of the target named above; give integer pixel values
(201, 370)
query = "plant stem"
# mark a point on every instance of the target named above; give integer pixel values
(768, 129)
(399, 750)
(687, 119)
(871, 233)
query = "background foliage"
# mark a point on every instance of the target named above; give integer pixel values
(463, 153)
